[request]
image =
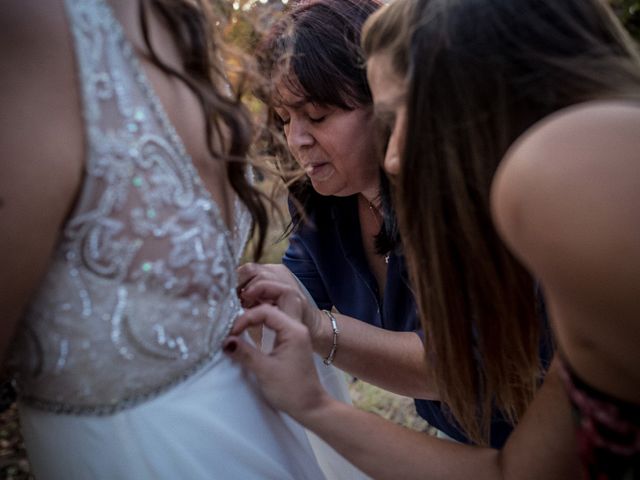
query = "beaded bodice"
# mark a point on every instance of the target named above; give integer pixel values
(140, 291)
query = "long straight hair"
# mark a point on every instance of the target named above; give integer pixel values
(480, 73)
(229, 130)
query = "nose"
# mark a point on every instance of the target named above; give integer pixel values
(391, 156)
(395, 145)
(298, 134)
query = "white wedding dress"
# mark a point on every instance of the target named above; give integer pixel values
(118, 361)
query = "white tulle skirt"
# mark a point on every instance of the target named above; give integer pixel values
(215, 425)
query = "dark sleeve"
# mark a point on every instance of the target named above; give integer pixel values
(299, 261)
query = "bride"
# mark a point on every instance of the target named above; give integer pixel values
(122, 228)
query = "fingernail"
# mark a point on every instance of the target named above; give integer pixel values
(230, 346)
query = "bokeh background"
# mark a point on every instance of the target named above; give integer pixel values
(241, 23)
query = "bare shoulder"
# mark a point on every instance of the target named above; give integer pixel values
(569, 146)
(38, 90)
(568, 190)
(574, 140)
(41, 145)
(34, 22)
(38, 66)
(42, 129)
(565, 200)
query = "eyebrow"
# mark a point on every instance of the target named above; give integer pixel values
(296, 105)
(293, 105)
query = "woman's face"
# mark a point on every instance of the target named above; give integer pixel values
(389, 93)
(333, 146)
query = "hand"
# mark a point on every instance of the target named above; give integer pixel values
(287, 375)
(276, 285)
(250, 273)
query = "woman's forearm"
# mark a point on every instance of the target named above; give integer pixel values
(541, 447)
(385, 450)
(394, 361)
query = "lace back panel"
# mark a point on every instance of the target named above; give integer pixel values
(140, 292)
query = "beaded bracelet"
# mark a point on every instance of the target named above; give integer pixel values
(334, 347)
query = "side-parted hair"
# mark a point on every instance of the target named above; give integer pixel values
(229, 130)
(480, 73)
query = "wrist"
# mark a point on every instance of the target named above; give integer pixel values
(320, 332)
(328, 360)
(324, 337)
(316, 409)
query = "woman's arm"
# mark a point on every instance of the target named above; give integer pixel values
(395, 361)
(566, 200)
(541, 447)
(41, 147)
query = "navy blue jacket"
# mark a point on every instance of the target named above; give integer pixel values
(327, 256)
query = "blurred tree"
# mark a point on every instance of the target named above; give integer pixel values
(241, 14)
(629, 13)
(245, 20)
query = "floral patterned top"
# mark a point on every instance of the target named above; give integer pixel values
(608, 431)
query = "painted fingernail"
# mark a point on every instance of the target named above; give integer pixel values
(230, 346)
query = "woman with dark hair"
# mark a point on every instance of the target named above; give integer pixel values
(342, 253)
(512, 120)
(339, 249)
(124, 207)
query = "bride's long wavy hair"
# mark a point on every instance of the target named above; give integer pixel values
(480, 73)
(229, 130)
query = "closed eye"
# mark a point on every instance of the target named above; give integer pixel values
(318, 113)
(317, 119)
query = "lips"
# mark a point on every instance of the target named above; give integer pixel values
(312, 167)
(319, 171)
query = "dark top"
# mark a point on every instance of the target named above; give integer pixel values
(327, 256)
(607, 429)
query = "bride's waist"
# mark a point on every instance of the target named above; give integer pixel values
(131, 347)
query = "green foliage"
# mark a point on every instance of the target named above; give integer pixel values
(629, 13)
(241, 33)
(245, 21)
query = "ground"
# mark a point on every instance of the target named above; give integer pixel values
(13, 462)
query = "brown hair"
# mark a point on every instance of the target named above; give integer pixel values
(479, 75)
(228, 123)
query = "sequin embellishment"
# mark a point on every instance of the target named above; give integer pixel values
(141, 289)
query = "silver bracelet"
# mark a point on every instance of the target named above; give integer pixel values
(334, 347)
